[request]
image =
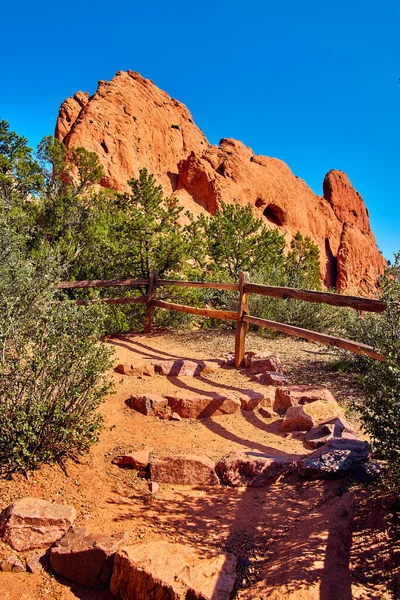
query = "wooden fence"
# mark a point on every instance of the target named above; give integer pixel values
(241, 316)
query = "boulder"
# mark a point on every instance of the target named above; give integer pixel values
(33, 523)
(86, 559)
(271, 378)
(336, 458)
(169, 571)
(296, 419)
(137, 369)
(305, 417)
(262, 361)
(299, 394)
(12, 564)
(180, 368)
(195, 406)
(184, 470)
(251, 469)
(149, 404)
(136, 460)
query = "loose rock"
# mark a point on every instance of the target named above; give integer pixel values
(86, 559)
(172, 572)
(332, 428)
(261, 362)
(179, 368)
(33, 523)
(194, 406)
(34, 563)
(12, 564)
(336, 458)
(136, 460)
(139, 369)
(296, 419)
(184, 470)
(271, 378)
(150, 404)
(251, 469)
(294, 395)
(154, 487)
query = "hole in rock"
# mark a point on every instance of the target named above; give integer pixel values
(104, 146)
(259, 202)
(274, 214)
(174, 126)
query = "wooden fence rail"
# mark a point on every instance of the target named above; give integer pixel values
(241, 316)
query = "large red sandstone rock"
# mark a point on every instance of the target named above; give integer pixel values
(132, 124)
(86, 559)
(294, 395)
(171, 572)
(251, 469)
(195, 406)
(184, 470)
(304, 417)
(150, 404)
(137, 369)
(179, 368)
(34, 523)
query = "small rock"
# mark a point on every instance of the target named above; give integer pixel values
(12, 564)
(261, 362)
(138, 369)
(195, 406)
(150, 404)
(271, 378)
(35, 562)
(86, 559)
(367, 472)
(33, 523)
(142, 474)
(184, 470)
(251, 469)
(136, 460)
(175, 417)
(251, 399)
(336, 458)
(172, 571)
(154, 487)
(332, 428)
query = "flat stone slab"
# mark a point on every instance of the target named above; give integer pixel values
(336, 458)
(148, 404)
(180, 367)
(293, 395)
(166, 571)
(184, 470)
(195, 406)
(86, 559)
(136, 369)
(251, 469)
(33, 523)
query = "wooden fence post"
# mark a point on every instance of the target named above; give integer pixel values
(241, 326)
(148, 324)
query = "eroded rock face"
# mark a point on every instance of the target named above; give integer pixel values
(172, 572)
(132, 124)
(251, 469)
(33, 523)
(184, 470)
(86, 559)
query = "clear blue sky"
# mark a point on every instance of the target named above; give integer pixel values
(312, 82)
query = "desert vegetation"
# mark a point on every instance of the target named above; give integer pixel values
(57, 223)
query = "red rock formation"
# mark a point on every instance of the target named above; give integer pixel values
(132, 124)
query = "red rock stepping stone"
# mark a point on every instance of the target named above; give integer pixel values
(136, 460)
(251, 469)
(139, 369)
(251, 400)
(299, 394)
(86, 559)
(184, 469)
(172, 572)
(149, 404)
(179, 368)
(195, 406)
(33, 523)
(260, 362)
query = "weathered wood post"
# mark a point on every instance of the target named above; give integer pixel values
(148, 324)
(241, 326)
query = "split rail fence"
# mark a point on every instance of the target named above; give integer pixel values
(244, 287)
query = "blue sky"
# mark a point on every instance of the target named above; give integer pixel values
(314, 83)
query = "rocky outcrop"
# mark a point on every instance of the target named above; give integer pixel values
(132, 124)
